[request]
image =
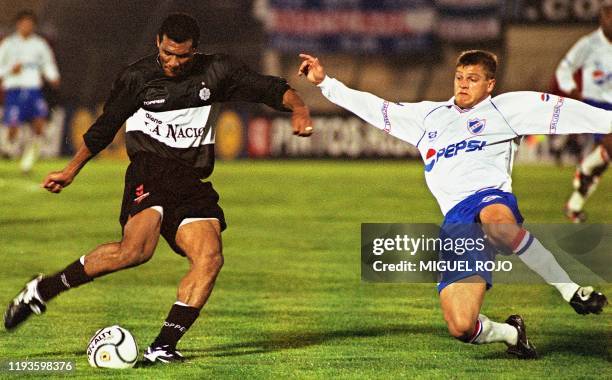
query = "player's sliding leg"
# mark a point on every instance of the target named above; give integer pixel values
(32, 148)
(140, 237)
(201, 243)
(587, 177)
(501, 228)
(461, 302)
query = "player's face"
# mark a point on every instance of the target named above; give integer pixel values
(605, 20)
(175, 57)
(472, 85)
(25, 26)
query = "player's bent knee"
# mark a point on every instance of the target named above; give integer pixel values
(213, 261)
(131, 256)
(219, 261)
(502, 234)
(210, 260)
(216, 261)
(497, 236)
(460, 328)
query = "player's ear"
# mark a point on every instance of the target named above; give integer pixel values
(491, 85)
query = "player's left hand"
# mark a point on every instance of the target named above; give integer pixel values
(301, 122)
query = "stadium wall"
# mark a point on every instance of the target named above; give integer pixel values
(535, 37)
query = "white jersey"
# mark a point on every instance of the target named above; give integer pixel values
(469, 150)
(593, 54)
(35, 57)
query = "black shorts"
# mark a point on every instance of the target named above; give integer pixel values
(153, 181)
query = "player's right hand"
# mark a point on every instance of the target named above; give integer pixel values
(56, 181)
(312, 69)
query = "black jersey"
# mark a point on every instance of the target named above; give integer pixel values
(174, 118)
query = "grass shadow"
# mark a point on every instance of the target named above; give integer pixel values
(587, 344)
(590, 344)
(295, 340)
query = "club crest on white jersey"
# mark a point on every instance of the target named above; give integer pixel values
(476, 125)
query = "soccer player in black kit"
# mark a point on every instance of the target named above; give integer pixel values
(169, 102)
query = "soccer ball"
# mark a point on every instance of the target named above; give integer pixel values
(112, 347)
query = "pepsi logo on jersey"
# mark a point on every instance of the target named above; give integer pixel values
(451, 151)
(600, 77)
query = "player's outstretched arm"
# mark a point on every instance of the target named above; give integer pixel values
(56, 181)
(404, 121)
(534, 113)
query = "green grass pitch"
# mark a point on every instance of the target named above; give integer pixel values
(289, 301)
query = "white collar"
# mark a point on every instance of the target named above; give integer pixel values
(603, 37)
(22, 38)
(451, 104)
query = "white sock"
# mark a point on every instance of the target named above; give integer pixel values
(30, 154)
(488, 331)
(540, 260)
(593, 160)
(576, 201)
(12, 148)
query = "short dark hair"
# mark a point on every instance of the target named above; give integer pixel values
(485, 58)
(180, 27)
(26, 13)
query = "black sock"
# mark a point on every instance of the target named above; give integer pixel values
(71, 277)
(179, 320)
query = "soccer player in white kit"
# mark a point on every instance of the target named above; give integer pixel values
(25, 58)
(593, 55)
(467, 144)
